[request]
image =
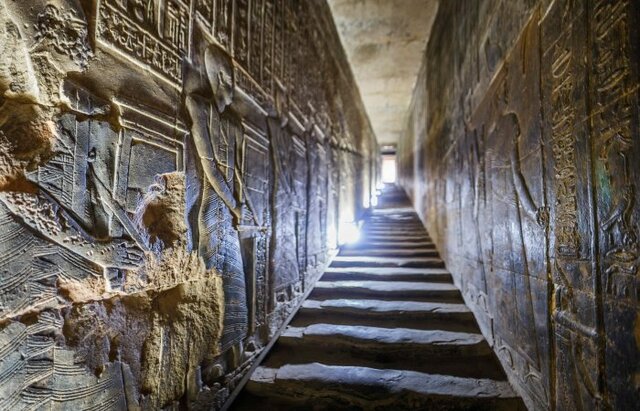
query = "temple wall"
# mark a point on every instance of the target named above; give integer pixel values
(522, 154)
(172, 175)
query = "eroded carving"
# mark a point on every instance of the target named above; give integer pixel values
(147, 209)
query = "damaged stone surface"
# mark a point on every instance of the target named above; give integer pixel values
(146, 152)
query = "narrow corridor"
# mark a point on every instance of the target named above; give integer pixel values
(385, 328)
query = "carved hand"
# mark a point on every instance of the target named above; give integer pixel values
(123, 254)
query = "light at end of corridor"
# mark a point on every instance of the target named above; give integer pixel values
(348, 233)
(389, 169)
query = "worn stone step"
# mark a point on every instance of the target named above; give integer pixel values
(393, 232)
(407, 314)
(367, 243)
(396, 238)
(387, 274)
(387, 290)
(319, 386)
(373, 261)
(365, 231)
(396, 221)
(394, 225)
(405, 210)
(433, 351)
(390, 252)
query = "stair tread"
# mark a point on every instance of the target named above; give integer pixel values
(385, 286)
(377, 383)
(390, 252)
(383, 261)
(349, 334)
(386, 307)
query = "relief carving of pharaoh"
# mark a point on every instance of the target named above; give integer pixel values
(222, 207)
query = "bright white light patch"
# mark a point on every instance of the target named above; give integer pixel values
(348, 233)
(389, 170)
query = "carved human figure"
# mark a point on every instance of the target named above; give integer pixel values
(219, 141)
(511, 123)
(28, 139)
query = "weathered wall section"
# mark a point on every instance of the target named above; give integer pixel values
(524, 134)
(171, 176)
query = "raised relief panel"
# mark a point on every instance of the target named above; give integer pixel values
(508, 119)
(613, 85)
(574, 303)
(37, 373)
(285, 267)
(153, 34)
(148, 145)
(300, 174)
(165, 126)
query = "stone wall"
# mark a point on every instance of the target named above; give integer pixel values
(522, 153)
(172, 173)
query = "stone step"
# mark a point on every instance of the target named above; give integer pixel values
(366, 243)
(371, 312)
(392, 232)
(394, 225)
(394, 220)
(407, 211)
(432, 351)
(396, 238)
(371, 261)
(390, 252)
(319, 386)
(387, 274)
(387, 290)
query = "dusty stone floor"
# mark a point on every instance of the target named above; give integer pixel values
(384, 329)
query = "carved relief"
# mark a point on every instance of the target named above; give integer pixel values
(549, 183)
(150, 33)
(613, 84)
(142, 226)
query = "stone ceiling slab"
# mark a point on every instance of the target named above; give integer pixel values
(385, 41)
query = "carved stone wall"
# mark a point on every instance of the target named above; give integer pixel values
(522, 154)
(166, 187)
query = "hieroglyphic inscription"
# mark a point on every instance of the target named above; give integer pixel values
(268, 40)
(612, 124)
(614, 121)
(563, 140)
(151, 180)
(241, 27)
(152, 34)
(255, 39)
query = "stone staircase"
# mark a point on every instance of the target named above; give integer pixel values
(384, 329)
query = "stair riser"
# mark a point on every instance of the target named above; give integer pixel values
(388, 295)
(400, 245)
(306, 395)
(389, 253)
(356, 276)
(461, 322)
(469, 361)
(408, 264)
(396, 239)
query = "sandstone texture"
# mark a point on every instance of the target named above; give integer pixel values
(385, 41)
(171, 172)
